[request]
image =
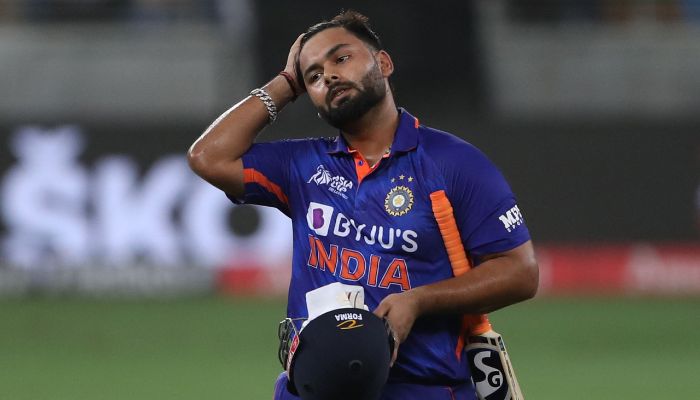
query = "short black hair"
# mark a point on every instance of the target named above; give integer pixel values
(350, 20)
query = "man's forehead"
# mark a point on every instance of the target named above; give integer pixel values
(325, 40)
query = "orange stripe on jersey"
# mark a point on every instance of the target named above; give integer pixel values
(251, 175)
(442, 209)
(416, 124)
(444, 215)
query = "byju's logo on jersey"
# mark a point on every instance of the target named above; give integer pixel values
(512, 219)
(319, 218)
(336, 183)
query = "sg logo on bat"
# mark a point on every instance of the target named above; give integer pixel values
(488, 374)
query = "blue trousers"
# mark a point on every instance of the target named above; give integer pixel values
(397, 391)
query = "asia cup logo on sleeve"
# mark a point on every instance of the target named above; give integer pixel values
(336, 184)
(319, 218)
(321, 177)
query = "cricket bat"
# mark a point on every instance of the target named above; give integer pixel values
(490, 365)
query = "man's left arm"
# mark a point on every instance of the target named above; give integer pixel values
(500, 280)
(494, 235)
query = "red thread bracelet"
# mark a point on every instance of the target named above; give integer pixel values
(288, 77)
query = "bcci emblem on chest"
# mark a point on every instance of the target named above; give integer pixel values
(398, 201)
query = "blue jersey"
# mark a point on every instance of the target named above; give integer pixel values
(374, 226)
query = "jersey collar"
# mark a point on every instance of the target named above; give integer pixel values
(405, 138)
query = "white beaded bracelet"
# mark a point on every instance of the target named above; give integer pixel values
(267, 100)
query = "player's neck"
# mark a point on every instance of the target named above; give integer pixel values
(373, 133)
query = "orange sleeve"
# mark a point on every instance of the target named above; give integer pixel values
(251, 175)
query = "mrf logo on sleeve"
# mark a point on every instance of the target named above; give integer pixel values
(512, 219)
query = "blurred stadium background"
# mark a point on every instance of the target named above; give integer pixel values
(124, 276)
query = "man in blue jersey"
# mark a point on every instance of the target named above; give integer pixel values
(362, 204)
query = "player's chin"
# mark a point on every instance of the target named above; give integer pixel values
(339, 103)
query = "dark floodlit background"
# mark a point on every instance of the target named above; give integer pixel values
(122, 275)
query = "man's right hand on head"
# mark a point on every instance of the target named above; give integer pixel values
(291, 67)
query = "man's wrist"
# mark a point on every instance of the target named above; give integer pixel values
(279, 91)
(267, 100)
(290, 80)
(417, 297)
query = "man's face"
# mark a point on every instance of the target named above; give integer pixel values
(342, 76)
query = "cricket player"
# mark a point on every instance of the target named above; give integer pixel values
(360, 203)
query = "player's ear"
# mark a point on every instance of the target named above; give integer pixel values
(386, 65)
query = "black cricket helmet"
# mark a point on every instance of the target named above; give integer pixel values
(342, 354)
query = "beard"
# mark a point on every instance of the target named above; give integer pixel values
(369, 94)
